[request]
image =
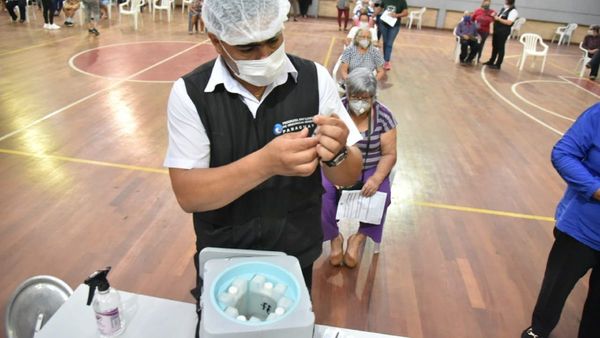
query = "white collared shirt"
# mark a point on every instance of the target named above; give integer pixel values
(189, 146)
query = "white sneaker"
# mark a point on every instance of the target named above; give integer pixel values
(47, 26)
(54, 26)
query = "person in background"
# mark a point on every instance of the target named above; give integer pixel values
(304, 4)
(591, 43)
(467, 31)
(343, 9)
(10, 7)
(48, 12)
(58, 5)
(295, 9)
(360, 6)
(363, 54)
(70, 7)
(502, 23)
(396, 9)
(378, 146)
(576, 248)
(194, 17)
(484, 17)
(364, 23)
(92, 13)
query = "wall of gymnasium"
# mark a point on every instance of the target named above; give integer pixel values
(543, 16)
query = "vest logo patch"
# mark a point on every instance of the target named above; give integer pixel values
(294, 125)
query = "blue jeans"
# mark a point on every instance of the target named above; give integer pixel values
(389, 35)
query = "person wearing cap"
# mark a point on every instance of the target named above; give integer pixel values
(248, 132)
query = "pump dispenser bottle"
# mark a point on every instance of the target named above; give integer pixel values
(106, 304)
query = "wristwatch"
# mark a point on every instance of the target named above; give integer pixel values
(337, 159)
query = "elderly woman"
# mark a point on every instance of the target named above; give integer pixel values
(576, 248)
(378, 146)
(362, 54)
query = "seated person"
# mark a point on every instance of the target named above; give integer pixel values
(364, 23)
(362, 53)
(378, 146)
(591, 43)
(70, 7)
(360, 5)
(467, 31)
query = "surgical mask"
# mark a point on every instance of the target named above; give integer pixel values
(486, 7)
(590, 32)
(364, 43)
(359, 107)
(363, 25)
(261, 72)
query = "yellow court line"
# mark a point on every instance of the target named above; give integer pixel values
(35, 46)
(328, 55)
(79, 160)
(482, 211)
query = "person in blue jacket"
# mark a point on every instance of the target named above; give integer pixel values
(576, 248)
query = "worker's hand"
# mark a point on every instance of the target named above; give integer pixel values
(466, 37)
(370, 187)
(292, 154)
(331, 133)
(597, 195)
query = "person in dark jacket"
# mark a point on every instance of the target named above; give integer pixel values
(502, 24)
(591, 43)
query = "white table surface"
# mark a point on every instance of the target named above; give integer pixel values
(148, 317)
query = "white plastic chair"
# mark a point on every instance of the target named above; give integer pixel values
(530, 42)
(162, 5)
(456, 54)
(133, 9)
(515, 30)
(583, 61)
(564, 33)
(416, 16)
(187, 3)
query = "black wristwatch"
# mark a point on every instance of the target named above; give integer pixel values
(337, 159)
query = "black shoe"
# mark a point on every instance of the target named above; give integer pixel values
(68, 24)
(489, 63)
(588, 65)
(528, 333)
(95, 31)
(22, 20)
(593, 78)
(496, 67)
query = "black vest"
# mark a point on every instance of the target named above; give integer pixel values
(283, 213)
(500, 27)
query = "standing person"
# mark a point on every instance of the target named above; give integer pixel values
(484, 17)
(22, 4)
(502, 23)
(58, 6)
(92, 13)
(48, 12)
(591, 43)
(343, 9)
(194, 16)
(576, 247)
(304, 4)
(467, 31)
(295, 9)
(378, 146)
(240, 156)
(70, 7)
(396, 9)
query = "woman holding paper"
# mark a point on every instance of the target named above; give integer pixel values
(378, 146)
(389, 13)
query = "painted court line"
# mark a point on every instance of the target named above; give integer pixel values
(35, 46)
(514, 90)
(165, 171)
(485, 80)
(328, 55)
(565, 78)
(83, 161)
(56, 112)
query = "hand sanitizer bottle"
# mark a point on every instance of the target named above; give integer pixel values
(106, 304)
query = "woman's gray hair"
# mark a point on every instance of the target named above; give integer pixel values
(361, 81)
(357, 37)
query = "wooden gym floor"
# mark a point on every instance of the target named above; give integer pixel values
(82, 140)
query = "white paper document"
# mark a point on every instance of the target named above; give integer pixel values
(387, 18)
(353, 205)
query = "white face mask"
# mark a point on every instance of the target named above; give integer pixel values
(359, 107)
(590, 32)
(261, 72)
(363, 25)
(364, 43)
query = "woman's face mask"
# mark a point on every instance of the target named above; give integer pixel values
(358, 106)
(485, 6)
(261, 72)
(364, 43)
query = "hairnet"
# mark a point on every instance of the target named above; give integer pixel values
(240, 22)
